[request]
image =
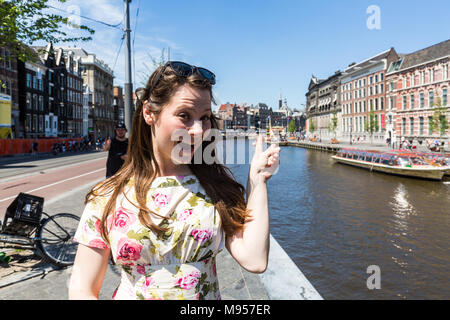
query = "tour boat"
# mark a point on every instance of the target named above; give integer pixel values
(403, 164)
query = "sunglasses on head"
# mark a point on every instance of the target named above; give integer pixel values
(181, 69)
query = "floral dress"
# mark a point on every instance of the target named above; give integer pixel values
(179, 264)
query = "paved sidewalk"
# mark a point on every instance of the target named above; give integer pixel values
(48, 283)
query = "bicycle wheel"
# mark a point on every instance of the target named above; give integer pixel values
(55, 239)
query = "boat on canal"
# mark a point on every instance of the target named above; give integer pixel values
(397, 163)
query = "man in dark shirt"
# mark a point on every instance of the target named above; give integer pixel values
(117, 150)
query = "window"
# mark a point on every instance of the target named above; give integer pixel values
(430, 125)
(381, 103)
(422, 77)
(444, 97)
(28, 80)
(421, 126)
(34, 124)
(41, 103)
(403, 126)
(445, 72)
(422, 100)
(376, 78)
(35, 102)
(381, 88)
(412, 101)
(392, 85)
(404, 102)
(376, 89)
(376, 104)
(370, 80)
(41, 123)
(411, 126)
(431, 101)
(28, 102)
(432, 75)
(382, 76)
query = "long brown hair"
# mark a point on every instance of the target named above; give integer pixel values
(217, 180)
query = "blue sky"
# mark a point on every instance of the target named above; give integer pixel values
(259, 49)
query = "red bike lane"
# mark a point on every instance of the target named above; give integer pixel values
(52, 184)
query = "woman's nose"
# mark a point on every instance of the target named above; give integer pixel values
(196, 129)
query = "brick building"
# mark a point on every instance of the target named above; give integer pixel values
(363, 88)
(414, 83)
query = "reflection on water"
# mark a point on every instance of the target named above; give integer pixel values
(336, 220)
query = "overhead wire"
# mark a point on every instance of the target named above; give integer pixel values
(87, 18)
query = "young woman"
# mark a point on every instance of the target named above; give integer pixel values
(164, 220)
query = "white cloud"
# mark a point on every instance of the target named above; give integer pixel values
(106, 40)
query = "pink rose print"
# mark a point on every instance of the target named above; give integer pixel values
(98, 226)
(128, 250)
(160, 199)
(185, 214)
(140, 269)
(97, 243)
(149, 281)
(189, 281)
(201, 235)
(123, 219)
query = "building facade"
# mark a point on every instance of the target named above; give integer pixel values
(9, 91)
(322, 105)
(416, 82)
(119, 111)
(363, 98)
(98, 76)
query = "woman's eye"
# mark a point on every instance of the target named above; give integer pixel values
(206, 118)
(184, 116)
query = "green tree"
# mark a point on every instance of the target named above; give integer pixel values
(24, 22)
(439, 120)
(371, 125)
(292, 127)
(333, 124)
(312, 125)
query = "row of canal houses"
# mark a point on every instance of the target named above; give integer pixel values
(399, 92)
(64, 92)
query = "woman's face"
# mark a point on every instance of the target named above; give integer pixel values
(186, 117)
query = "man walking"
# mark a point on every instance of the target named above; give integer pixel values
(117, 150)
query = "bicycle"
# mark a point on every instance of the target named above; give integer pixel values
(51, 236)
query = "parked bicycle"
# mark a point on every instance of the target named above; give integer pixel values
(51, 236)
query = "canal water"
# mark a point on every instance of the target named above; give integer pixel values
(337, 222)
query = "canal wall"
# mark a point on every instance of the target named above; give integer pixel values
(283, 280)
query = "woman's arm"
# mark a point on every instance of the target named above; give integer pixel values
(250, 247)
(88, 272)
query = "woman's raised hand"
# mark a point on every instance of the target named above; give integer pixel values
(264, 163)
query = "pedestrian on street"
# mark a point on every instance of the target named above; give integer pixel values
(165, 217)
(117, 150)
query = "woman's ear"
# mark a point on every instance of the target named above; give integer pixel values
(148, 115)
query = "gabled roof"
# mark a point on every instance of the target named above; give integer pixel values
(365, 63)
(430, 53)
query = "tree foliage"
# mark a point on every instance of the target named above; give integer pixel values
(333, 123)
(24, 22)
(439, 120)
(292, 127)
